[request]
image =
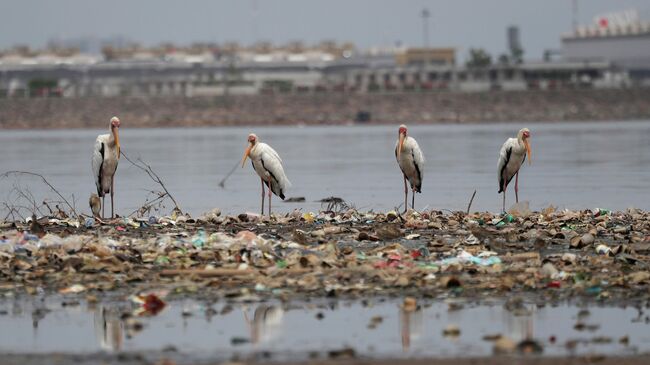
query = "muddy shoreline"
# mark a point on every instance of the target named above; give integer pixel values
(328, 109)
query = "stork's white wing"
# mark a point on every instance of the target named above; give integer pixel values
(418, 156)
(268, 149)
(98, 159)
(504, 157)
(273, 164)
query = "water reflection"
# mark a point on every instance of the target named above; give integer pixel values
(410, 325)
(519, 322)
(109, 328)
(266, 323)
(193, 327)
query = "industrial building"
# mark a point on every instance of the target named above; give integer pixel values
(610, 54)
(364, 74)
(622, 39)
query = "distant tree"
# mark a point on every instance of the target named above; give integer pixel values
(109, 53)
(478, 58)
(504, 59)
(517, 55)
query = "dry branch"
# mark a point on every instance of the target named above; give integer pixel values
(469, 206)
(152, 174)
(31, 200)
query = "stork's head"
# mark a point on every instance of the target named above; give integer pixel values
(252, 140)
(524, 136)
(402, 136)
(115, 122)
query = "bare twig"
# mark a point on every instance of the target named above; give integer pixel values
(470, 202)
(334, 205)
(152, 174)
(222, 183)
(11, 210)
(48, 207)
(146, 207)
(8, 173)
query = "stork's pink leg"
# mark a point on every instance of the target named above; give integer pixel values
(413, 199)
(517, 187)
(406, 195)
(504, 195)
(262, 195)
(270, 192)
(112, 206)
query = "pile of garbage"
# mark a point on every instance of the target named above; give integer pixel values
(559, 253)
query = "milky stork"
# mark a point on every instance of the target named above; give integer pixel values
(411, 162)
(512, 156)
(268, 165)
(105, 158)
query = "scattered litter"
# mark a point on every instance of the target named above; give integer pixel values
(151, 304)
(74, 289)
(588, 253)
(504, 345)
(451, 331)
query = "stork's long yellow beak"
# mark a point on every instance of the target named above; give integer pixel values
(530, 161)
(117, 141)
(246, 153)
(399, 146)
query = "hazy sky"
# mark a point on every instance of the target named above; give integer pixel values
(458, 23)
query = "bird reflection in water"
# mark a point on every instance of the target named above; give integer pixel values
(520, 321)
(410, 324)
(109, 329)
(266, 322)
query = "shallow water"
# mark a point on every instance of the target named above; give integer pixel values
(575, 165)
(298, 329)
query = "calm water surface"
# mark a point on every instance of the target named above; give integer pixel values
(575, 165)
(378, 329)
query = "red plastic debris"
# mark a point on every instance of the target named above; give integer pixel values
(554, 284)
(152, 304)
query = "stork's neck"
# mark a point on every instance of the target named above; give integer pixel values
(114, 139)
(254, 150)
(520, 142)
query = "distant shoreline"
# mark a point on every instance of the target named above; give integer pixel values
(329, 109)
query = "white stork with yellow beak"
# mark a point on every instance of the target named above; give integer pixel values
(268, 165)
(105, 158)
(411, 162)
(512, 156)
